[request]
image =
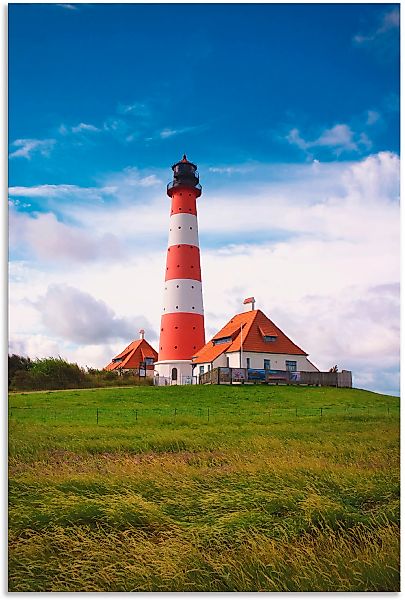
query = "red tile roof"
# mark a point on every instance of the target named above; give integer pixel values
(255, 325)
(133, 354)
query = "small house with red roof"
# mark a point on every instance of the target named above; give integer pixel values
(137, 357)
(250, 340)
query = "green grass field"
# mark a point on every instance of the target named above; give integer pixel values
(216, 488)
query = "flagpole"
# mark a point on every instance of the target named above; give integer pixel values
(241, 361)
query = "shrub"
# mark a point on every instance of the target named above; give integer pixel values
(17, 363)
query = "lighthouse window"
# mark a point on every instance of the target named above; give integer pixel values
(179, 227)
(192, 287)
(177, 286)
(191, 228)
(177, 307)
(193, 307)
(174, 374)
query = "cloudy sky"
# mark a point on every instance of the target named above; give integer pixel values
(292, 114)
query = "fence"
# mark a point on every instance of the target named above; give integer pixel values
(132, 417)
(229, 375)
(183, 380)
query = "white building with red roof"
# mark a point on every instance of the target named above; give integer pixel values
(250, 340)
(138, 356)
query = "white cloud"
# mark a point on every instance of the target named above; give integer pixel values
(389, 23)
(60, 191)
(85, 127)
(229, 170)
(133, 177)
(27, 147)
(49, 240)
(78, 317)
(168, 132)
(136, 109)
(338, 138)
(373, 116)
(34, 346)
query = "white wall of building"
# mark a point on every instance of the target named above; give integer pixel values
(165, 369)
(277, 361)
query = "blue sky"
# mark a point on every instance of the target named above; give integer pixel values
(292, 114)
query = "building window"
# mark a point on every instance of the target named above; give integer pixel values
(291, 365)
(148, 360)
(201, 369)
(227, 361)
(248, 363)
(267, 364)
(174, 374)
(222, 340)
(209, 368)
(270, 338)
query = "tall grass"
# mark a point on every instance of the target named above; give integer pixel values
(255, 499)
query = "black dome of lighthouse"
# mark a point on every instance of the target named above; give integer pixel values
(185, 174)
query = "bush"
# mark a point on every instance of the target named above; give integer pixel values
(17, 363)
(56, 373)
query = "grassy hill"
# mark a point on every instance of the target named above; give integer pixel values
(204, 489)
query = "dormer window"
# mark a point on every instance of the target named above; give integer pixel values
(222, 340)
(270, 338)
(117, 360)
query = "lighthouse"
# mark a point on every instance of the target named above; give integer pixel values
(182, 324)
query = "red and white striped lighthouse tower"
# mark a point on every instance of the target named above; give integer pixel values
(182, 325)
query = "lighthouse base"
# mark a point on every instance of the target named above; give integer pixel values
(174, 372)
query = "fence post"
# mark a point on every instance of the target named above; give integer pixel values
(97, 416)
